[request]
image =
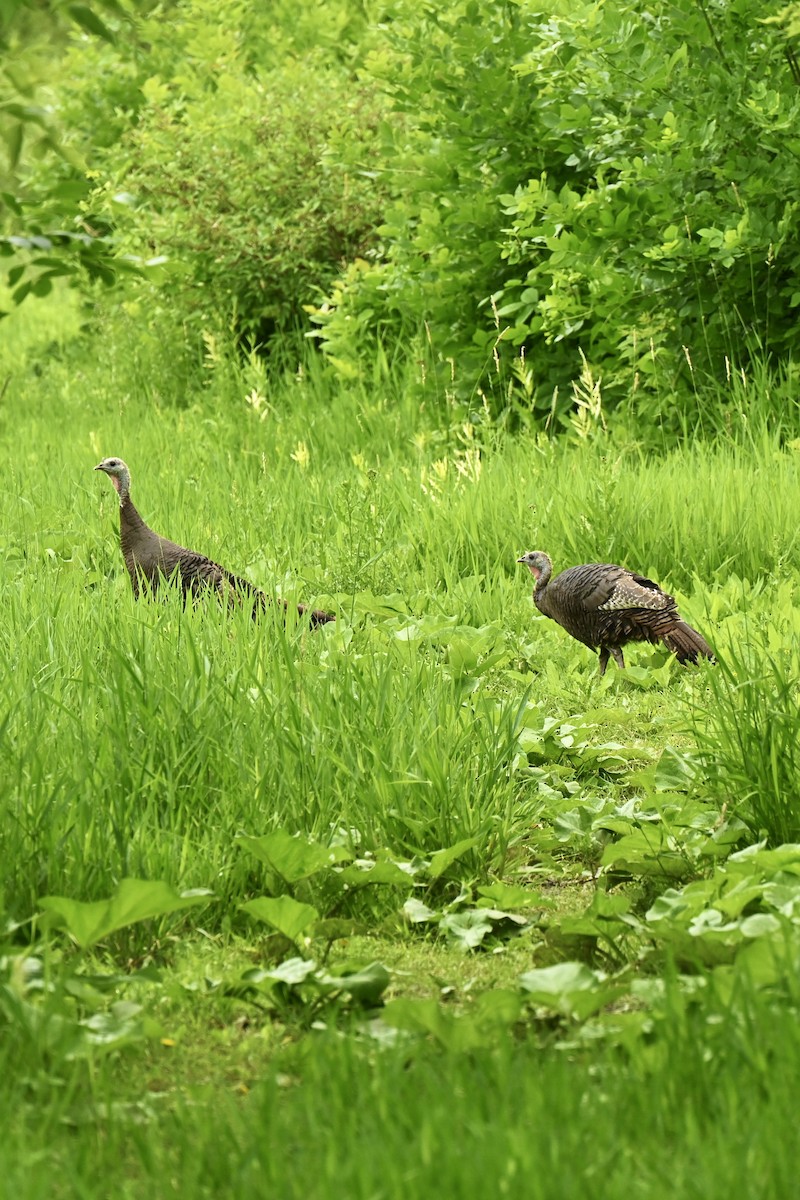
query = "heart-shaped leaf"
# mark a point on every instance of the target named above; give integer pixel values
(134, 900)
(292, 858)
(283, 913)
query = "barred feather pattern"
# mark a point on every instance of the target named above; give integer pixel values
(606, 607)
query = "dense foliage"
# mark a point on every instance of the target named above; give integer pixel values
(617, 181)
(225, 153)
(242, 163)
(604, 188)
(45, 171)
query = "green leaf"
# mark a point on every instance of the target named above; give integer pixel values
(499, 1007)
(493, 1010)
(645, 852)
(762, 925)
(442, 859)
(570, 988)
(135, 900)
(365, 872)
(21, 292)
(674, 770)
(13, 203)
(288, 916)
(506, 895)
(673, 905)
(292, 857)
(122, 1025)
(293, 971)
(468, 929)
(417, 912)
(428, 1017)
(14, 139)
(365, 985)
(71, 190)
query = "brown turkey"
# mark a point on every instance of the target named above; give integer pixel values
(150, 559)
(605, 607)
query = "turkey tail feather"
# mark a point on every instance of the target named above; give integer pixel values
(687, 644)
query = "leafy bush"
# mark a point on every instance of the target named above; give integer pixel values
(515, 196)
(663, 243)
(242, 161)
(258, 197)
(45, 236)
(606, 180)
(232, 143)
(468, 135)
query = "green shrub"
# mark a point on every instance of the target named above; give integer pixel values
(663, 241)
(468, 134)
(236, 145)
(258, 197)
(598, 180)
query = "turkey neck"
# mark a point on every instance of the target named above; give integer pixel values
(542, 582)
(130, 523)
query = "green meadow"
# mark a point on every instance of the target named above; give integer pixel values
(415, 903)
(372, 299)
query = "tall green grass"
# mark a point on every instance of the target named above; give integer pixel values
(138, 739)
(747, 729)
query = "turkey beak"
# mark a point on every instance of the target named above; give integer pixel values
(519, 560)
(99, 467)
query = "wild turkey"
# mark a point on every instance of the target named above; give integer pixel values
(150, 559)
(605, 607)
